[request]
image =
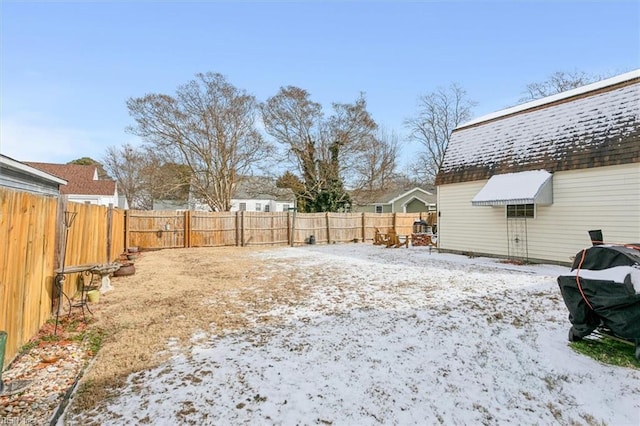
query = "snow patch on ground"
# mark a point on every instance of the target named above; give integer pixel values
(390, 336)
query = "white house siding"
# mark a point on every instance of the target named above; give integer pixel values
(251, 204)
(101, 200)
(606, 198)
(462, 227)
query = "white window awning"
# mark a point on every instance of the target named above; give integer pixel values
(531, 187)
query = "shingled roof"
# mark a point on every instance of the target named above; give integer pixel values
(592, 126)
(82, 179)
(261, 187)
(366, 197)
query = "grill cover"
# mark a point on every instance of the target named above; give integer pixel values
(609, 277)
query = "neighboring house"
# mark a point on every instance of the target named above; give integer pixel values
(528, 182)
(122, 202)
(403, 200)
(254, 194)
(260, 194)
(177, 205)
(83, 184)
(22, 177)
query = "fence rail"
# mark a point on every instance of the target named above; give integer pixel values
(32, 244)
(171, 229)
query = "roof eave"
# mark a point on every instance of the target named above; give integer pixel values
(17, 165)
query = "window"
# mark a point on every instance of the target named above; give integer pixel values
(378, 209)
(267, 208)
(243, 207)
(520, 211)
(285, 207)
(258, 207)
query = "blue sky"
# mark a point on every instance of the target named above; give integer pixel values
(67, 68)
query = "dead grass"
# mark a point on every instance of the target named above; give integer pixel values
(172, 295)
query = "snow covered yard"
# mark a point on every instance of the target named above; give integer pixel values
(386, 336)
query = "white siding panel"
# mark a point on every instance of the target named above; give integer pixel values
(606, 198)
(464, 227)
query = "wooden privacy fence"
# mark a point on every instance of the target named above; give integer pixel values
(96, 235)
(32, 236)
(27, 261)
(31, 247)
(171, 229)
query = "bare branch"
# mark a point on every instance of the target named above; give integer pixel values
(438, 114)
(209, 126)
(322, 151)
(558, 82)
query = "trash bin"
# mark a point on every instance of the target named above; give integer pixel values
(312, 239)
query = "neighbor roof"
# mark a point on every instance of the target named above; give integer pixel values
(80, 178)
(261, 188)
(592, 126)
(364, 197)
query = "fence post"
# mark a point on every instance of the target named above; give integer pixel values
(393, 222)
(289, 227)
(328, 229)
(126, 230)
(273, 229)
(242, 229)
(109, 231)
(62, 203)
(187, 229)
(237, 228)
(364, 230)
(293, 226)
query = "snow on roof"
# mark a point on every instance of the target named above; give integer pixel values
(553, 98)
(595, 129)
(516, 188)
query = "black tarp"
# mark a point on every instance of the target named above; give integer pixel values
(603, 275)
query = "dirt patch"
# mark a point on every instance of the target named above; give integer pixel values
(173, 295)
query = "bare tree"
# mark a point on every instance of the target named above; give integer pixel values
(320, 149)
(126, 164)
(143, 176)
(438, 114)
(209, 126)
(559, 81)
(375, 167)
(171, 181)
